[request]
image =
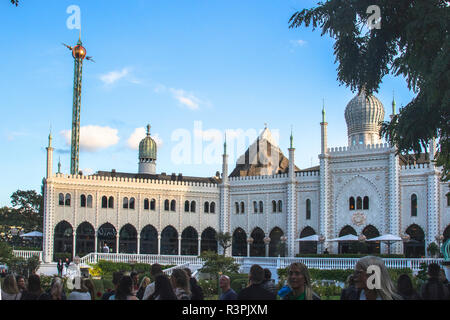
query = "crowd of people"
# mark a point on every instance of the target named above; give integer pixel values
(181, 285)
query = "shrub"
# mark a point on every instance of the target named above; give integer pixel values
(327, 291)
(209, 287)
(239, 284)
(347, 255)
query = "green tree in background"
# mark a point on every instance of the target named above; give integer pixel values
(413, 42)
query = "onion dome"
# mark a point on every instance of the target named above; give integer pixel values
(147, 147)
(363, 115)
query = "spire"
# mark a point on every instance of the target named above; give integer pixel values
(148, 129)
(323, 111)
(59, 165)
(50, 137)
(292, 139)
(393, 103)
(225, 144)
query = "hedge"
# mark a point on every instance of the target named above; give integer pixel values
(347, 255)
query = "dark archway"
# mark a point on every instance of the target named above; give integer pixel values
(275, 242)
(209, 242)
(189, 242)
(63, 240)
(370, 247)
(149, 240)
(239, 244)
(128, 239)
(446, 234)
(307, 247)
(106, 234)
(85, 239)
(169, 241)
(257, 248)
(415, 247)
(347, 247)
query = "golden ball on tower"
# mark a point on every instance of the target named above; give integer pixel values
(79, 52)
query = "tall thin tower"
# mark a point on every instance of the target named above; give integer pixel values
(78, 54)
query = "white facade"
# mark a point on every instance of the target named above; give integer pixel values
(318, 198)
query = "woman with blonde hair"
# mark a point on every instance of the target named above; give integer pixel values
(144, 283)
(180, 284)
(299, 282)
(10, 290)
(383, 287)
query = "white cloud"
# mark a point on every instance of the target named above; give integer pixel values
(93, 138)
(186, 99)
(298, 43)
(114, 76)
(139, 134)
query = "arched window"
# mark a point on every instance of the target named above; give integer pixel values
(358, 203)
(89, 201)
(212, 207)
(173, 205)
(166, 205)
(308, 209)
(351, 203)
(255, 207)
(125, 203)
(153, 205)
(280, 206)
(274, 206)
(236, 207)
(111, 202)
(104, 202)
(366, 203)
(61, 199)
(448, 199)
(186, 206)
(132, 201)
(67, 201)
(193, 208)
(206, 207)
(242, 207)
(413, 205)
(261, 207)
(146, 204)
(83, 201)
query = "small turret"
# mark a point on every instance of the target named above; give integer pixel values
(147, 154)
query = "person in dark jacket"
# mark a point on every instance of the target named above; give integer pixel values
(34, 291)
(60, 266)
(255, 290)
(268, 284)
(196, 290)
(300, 283)
(434, 288)
(349, 290)
(116, 278)
(405, 288)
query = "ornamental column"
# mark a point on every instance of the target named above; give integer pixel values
(324, 215)
(394, 223)
(224, 188)
(291, 203)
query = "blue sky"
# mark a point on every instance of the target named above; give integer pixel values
(227, 64)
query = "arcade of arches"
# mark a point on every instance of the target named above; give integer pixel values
(190, 242)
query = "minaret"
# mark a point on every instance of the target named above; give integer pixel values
(59, 165)
(394, 104)
(49, 156)
(147, 154)
(291, 202)
(78, 54)
(224, 187)
(324, 134)
(324, 217)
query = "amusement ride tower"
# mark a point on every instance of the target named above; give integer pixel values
(78, 54)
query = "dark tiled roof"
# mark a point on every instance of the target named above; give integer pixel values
(411, 159)
(162, 176)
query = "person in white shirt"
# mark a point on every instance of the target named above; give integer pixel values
(155, 270)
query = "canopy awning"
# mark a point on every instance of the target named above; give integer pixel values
(33, 234)
(386, 237)
(314, 237)
(348, 237)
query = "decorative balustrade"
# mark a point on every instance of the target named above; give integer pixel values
(27, 254)
(265, 262)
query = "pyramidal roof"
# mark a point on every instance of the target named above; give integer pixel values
(263, 157)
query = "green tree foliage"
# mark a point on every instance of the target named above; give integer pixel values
(16, 2)
(224, 240)
(413, 42)
(216, 263)
(6, 253)
(27, 211)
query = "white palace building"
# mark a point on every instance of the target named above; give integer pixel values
(363, 189)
